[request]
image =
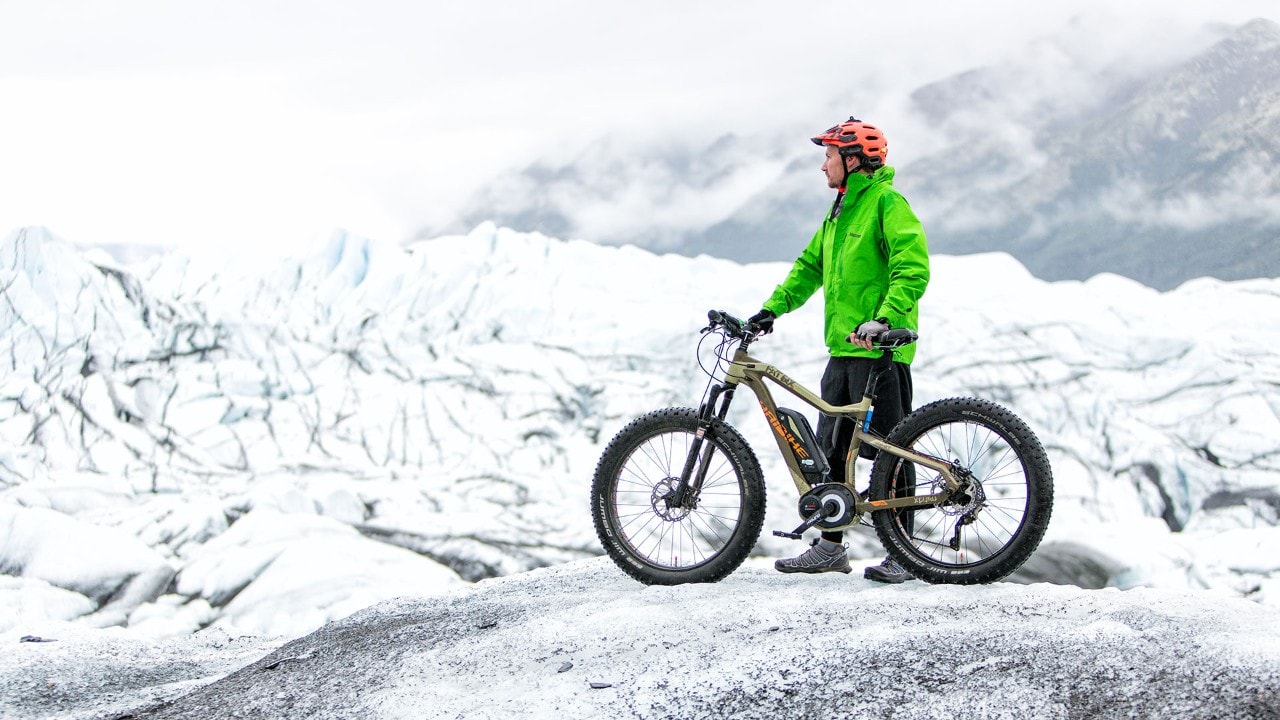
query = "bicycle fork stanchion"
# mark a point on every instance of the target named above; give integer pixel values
(694, 473)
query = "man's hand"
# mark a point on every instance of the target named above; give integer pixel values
(763, 320)
(866, 333)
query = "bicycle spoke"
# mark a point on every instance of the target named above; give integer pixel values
(673, 537)
(997, 501)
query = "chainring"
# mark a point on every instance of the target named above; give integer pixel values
(846, 503)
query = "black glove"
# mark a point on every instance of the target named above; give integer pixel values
(763, 320)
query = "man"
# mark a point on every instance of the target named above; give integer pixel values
(872, 262)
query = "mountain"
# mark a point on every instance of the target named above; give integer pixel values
(661, 197)
(1075, 162)
(1163, 181)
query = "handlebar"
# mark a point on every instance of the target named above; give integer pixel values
(723, 320)
(749, 332)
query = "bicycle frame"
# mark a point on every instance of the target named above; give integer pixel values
(746, 370)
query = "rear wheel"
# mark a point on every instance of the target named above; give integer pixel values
(661, 543)
(993, 524)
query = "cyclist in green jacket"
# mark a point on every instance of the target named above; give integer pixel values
(871, 260)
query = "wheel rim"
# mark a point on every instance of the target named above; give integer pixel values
(672, 538)
(985, 520)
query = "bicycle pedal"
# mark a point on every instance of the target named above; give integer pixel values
(789, 536)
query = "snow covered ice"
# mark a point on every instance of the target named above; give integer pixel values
(258, 451)
(581, 640)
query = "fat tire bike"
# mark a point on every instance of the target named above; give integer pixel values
(960, 490)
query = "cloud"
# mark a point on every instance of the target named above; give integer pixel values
(1242, 193)
(251, 123)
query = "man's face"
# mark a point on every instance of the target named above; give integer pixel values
(834, 168)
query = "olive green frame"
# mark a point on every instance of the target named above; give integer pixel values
(748, 371)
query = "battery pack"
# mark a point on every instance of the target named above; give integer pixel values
(804, 445)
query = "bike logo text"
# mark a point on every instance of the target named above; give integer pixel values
(785, 434)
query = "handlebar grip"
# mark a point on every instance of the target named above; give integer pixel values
(720, 317)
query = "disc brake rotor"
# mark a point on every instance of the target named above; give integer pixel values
(659, 499)
(968, 499)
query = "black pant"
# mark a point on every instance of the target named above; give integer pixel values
(843, 383)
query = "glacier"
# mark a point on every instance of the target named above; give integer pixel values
(197, 441)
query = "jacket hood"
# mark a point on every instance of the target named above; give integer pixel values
(859, 181)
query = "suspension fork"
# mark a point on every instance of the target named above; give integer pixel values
(694, 474)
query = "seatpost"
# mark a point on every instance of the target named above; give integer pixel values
(873, 377)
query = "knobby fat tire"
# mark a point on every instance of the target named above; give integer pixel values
(677, 425)
(1035, 466)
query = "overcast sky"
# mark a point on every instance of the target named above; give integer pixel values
(260, 124)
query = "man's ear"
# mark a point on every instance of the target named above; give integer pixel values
(857, 165)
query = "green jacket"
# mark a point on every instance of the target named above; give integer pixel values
(872, 262)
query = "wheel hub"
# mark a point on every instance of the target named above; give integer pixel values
(968, 499)
(661, 500)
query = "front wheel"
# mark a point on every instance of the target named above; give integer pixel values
(659, 542)
(997, 519)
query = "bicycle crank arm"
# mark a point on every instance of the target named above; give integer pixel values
(828, 510)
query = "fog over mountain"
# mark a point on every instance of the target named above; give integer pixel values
(1166, 180)
(1078, 155)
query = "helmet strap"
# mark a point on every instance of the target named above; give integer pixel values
(845, 166)
(835, 206)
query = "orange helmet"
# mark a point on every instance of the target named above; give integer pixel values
(861, 140)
